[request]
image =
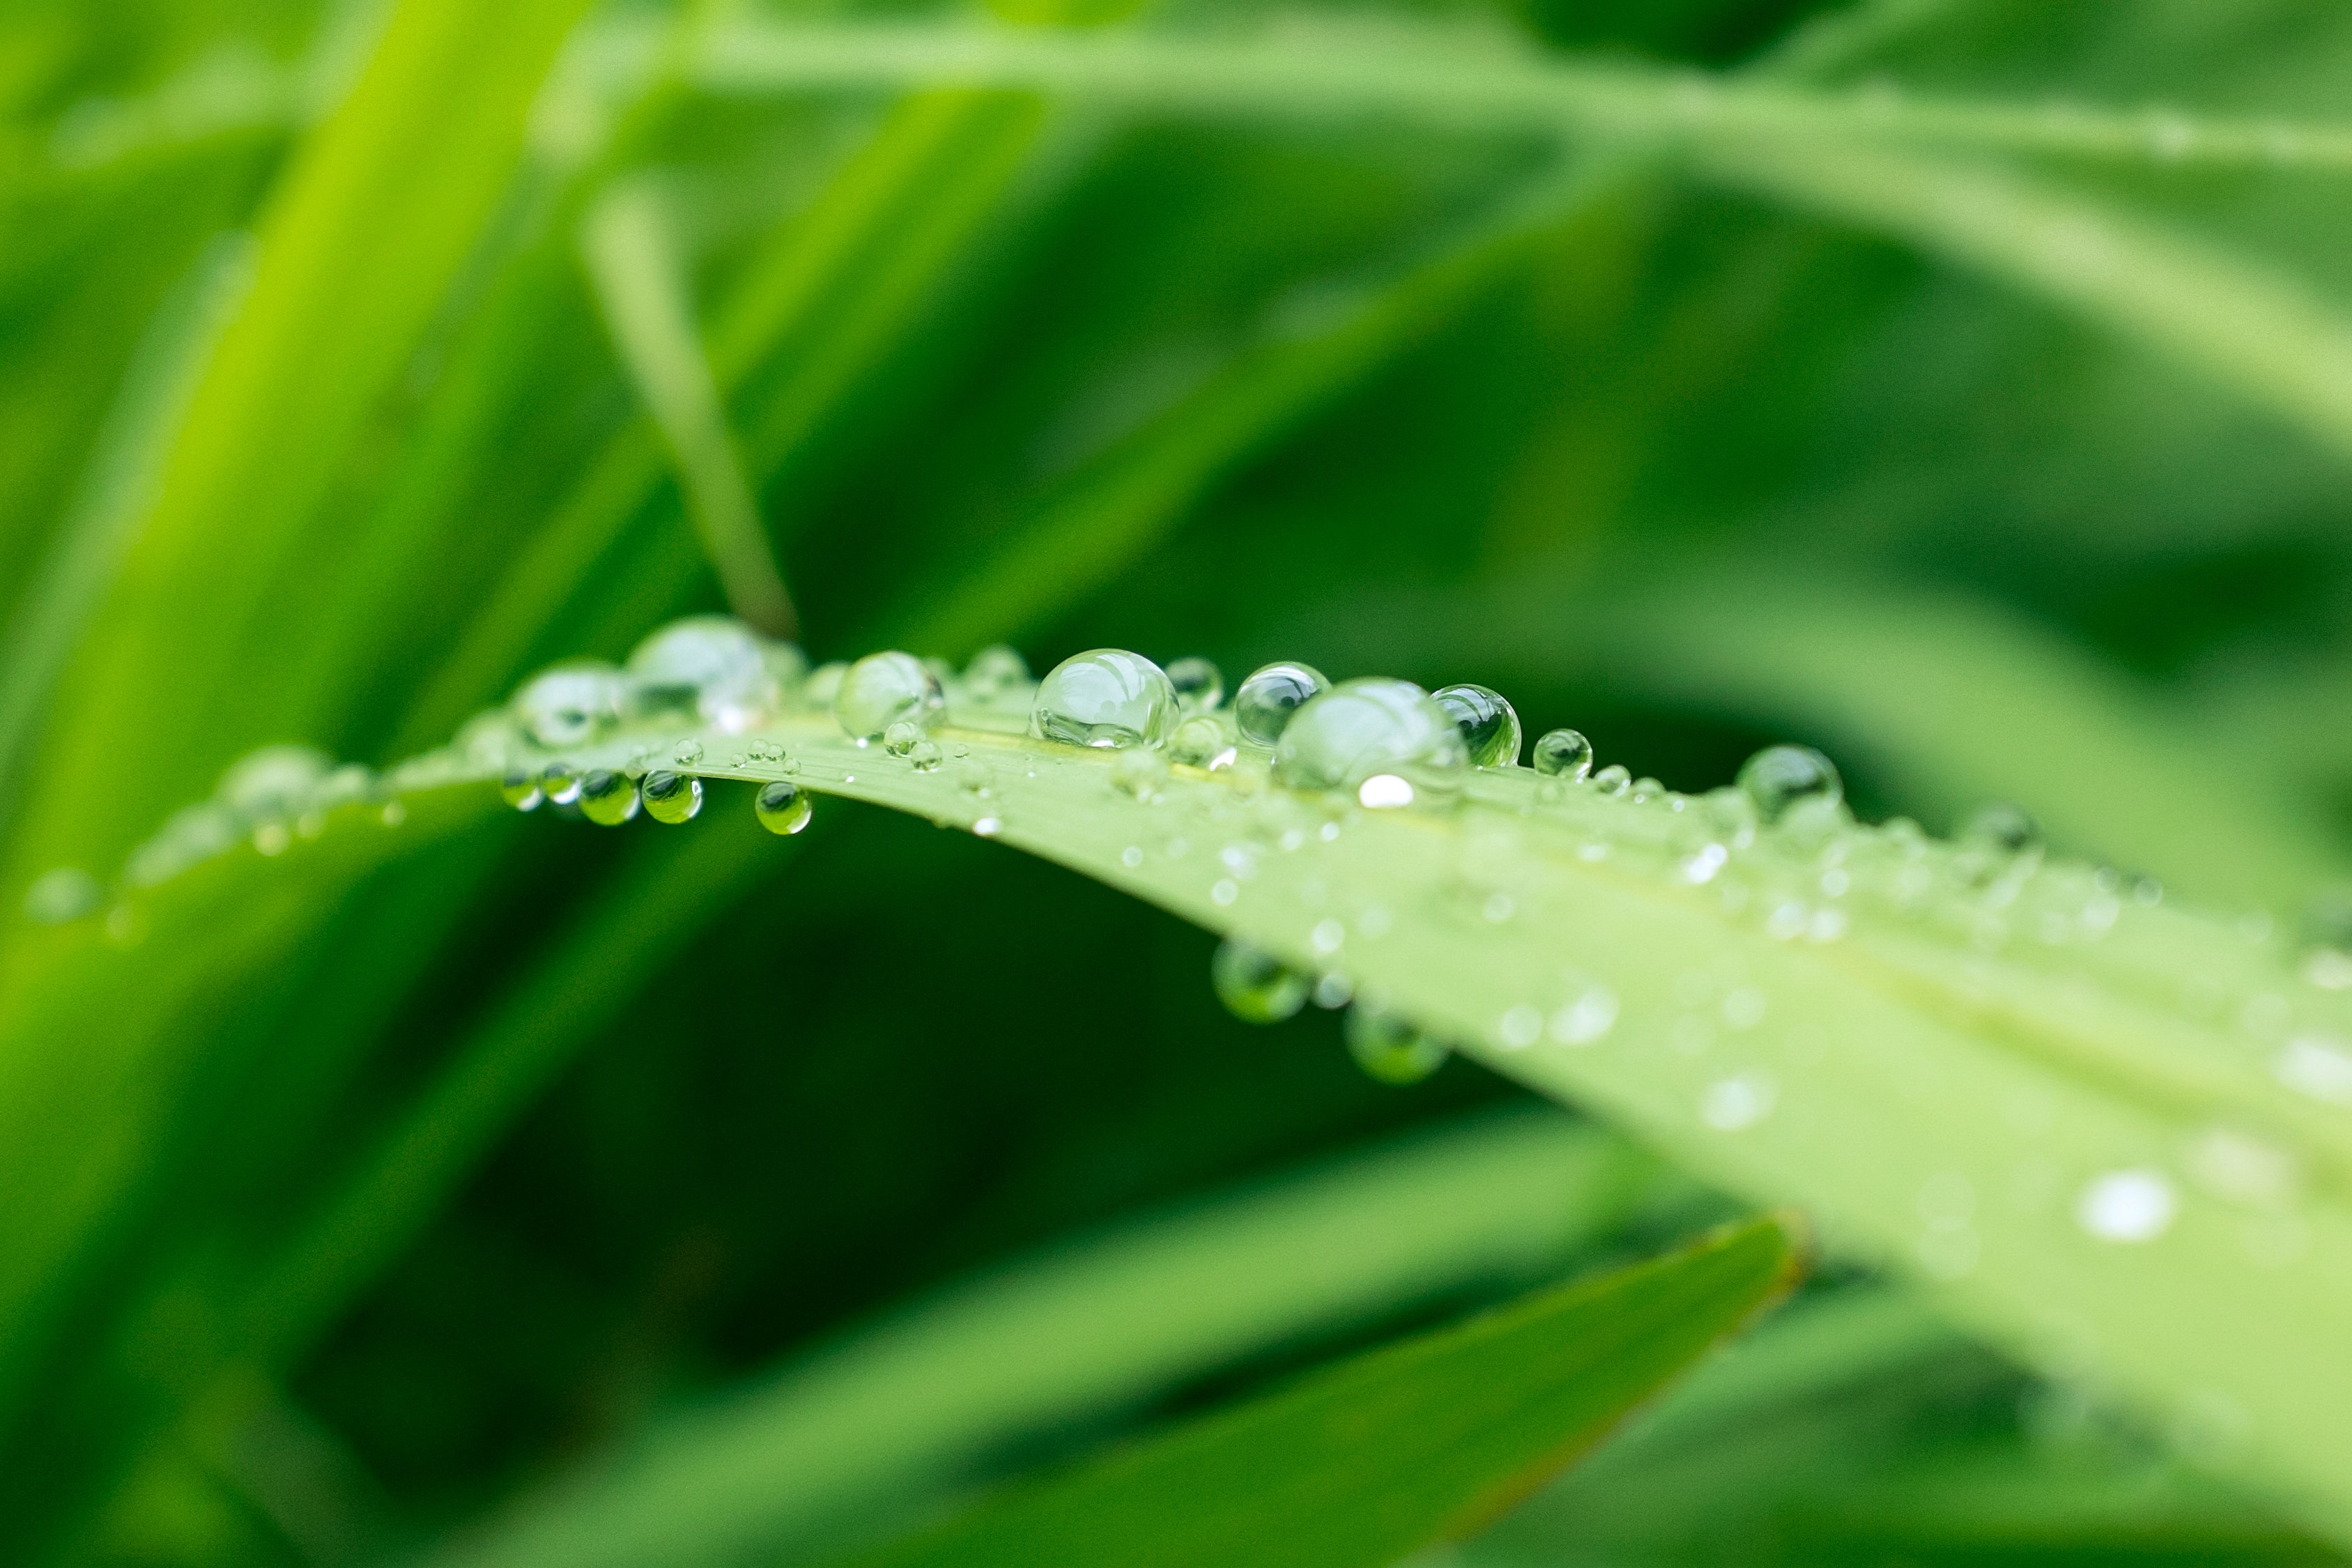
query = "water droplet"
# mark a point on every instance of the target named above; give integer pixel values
(273, 781)
(713, 667)
(900, 738)
(1387, 1046)
(1200, 685)
(1563, 753)
(520, 790)
(571, 703)
(1363, 729)
(995, 672)
(1253, 985)
(1614, 779)
(925, 754)
(61, 896)
(671, 797)
(2130, 1206)
(783, 806)
(560, 785)
(1333, 991)
(1731, 1104)
(1520, 1027)
(886, 689)
(687, 754)
(2001, 829)
(606, 798)
(1382, 791)
(1105, 697)
(1139, 773)
(1202, 741)
(1263, 703)
(1327, 936)
(1779, 779)
(1586, 1020)
(1488, 724)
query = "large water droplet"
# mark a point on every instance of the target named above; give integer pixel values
(671, 797)
(1488, 724)
(571, 703)
(714, 667)
(1360, 731)
(1253, 985)
(1264, 702)
(1562, 754)
(1200, 685)
(1105, 697)
(606, 798)
(1779, 779)
(1387, 1046)
(783, 806)
(886, 689)
(2134, 1205)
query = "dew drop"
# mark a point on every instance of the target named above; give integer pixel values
(1202, 741)
(995, 672)
(1488, 724)
(571, 703)
(1256, 987)
(671, 797)
(783, 806)
(1200, 685)
(1520, 1027)
(1779, 779)
(1139, 773)
(1263, 703)
(560, 784)
(687, 754)
(520, 790)
(925, 755)
(1105, 697)
(713, 667)
(1614, 779)
(886, 689)
(1563, 755)
(1731, 1104)
(606, 798)
(900, 738)
(1387, 1046)
(1360, 730)
(2128, 1207)
(2001, 829)
(1586, 1020)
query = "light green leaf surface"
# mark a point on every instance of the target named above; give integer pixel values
(1414, 1442)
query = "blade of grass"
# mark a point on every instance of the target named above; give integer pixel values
(912, 1401)
(1416, 1442)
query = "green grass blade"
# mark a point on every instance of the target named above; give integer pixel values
(1088, 1327)
(1409, 1444)
(641, 284)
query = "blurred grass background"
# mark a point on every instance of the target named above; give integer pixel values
(356, 1197)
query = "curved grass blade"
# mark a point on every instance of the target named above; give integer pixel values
(1416, 1442)
(909, 1402)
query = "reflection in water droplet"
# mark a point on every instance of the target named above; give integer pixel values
(1264, 702)
(1105, 697)
(671, 797)
(1562, 753)
(886, 689)
(606, 798)
(1612, 780)
(1363, 729)
(900, 738)
(1780, 778)
(1202, 741)
(925, 756)
(713, 667)
(1387, 1046)
(1254, 986)
(560, 785)
(1199, 685)
(1488, 724)
(783, 806)
(2129, 1206)
(520, 790)
(571, 703)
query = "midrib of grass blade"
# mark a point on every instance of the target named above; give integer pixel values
(379, 209)
(1328, 65)
(1904, 1055)
(892, 1409)
(116, 485)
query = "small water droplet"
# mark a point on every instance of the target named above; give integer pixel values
(1223, 892)
(783, 806)
(1333, 991)
(606, 798)
(1390, 1048)
(995, 672)
(1105, 697)
(687, 753)
(671, 797)
(560, 785)
(1264, 702)
(1360, 730)
(1327, 936)
(2127, 1206)
(925, 755)
(1488, 724)
(1779, 779)
(1563, 753)
(1614, 779)
(1139, 773)
(520, 790)
(1254, 986)
(571, 703)
(1131, 857)
(2002, 829)
(886, 689)
(1732, 1104)
(900, 738)
(1520, 1027)
(1203, 740)
(1200, 685)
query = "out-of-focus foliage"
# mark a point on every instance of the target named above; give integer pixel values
(1953, 383)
